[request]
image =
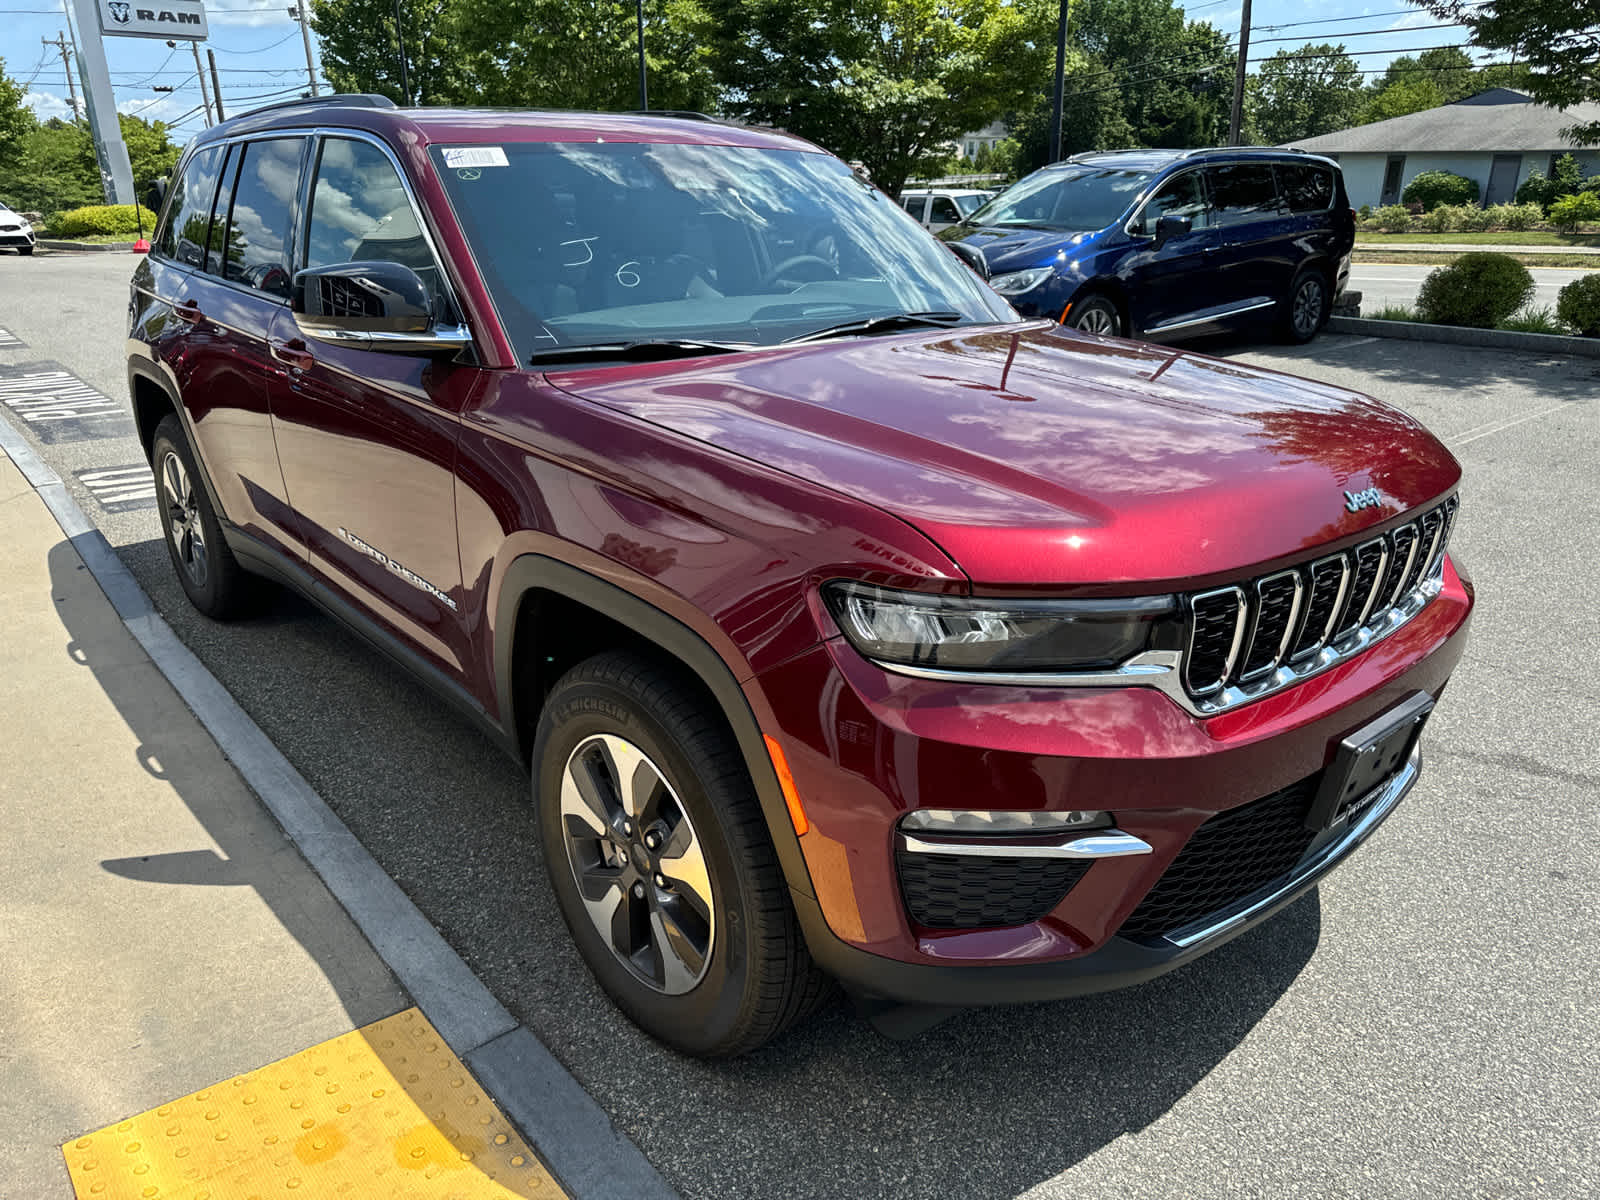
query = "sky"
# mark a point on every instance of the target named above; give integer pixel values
(260, 56)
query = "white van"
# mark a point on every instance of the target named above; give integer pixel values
(940, 208)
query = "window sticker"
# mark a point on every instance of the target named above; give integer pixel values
(475, 156)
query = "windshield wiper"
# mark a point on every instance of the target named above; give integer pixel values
(648, 350)
(910, 320)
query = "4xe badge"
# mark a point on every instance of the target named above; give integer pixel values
(1356, 501)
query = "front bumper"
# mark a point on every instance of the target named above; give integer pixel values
(876, 746)
(10, 239)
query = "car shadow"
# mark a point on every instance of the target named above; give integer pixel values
(987, 1104)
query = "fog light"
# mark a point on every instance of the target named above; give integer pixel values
(1007, 824)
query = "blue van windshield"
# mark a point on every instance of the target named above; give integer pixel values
(1078, 198)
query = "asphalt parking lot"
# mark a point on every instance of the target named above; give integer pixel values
(1425, 1024)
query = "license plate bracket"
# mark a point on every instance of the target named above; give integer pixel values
(1367, 758)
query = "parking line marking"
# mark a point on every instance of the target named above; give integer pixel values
(1483, 431)
(120, 489)
(60, 407)
(10, 341)
(385, 1110)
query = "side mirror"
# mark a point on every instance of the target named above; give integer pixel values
(371, 306)
(972, 256)
(1169, 228)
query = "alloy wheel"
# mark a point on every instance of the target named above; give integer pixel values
(1097, 320)
(184, 526)
(1308, 302)
(638, 863)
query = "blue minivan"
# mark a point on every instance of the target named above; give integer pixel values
(1170, 243)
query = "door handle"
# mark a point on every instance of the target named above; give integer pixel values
(189, 311)
(296, 357)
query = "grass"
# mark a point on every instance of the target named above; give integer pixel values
(1398, 256)
(1529, 320)
(97, 239)
(1505, 237)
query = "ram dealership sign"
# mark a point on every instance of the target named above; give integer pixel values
(174, 20)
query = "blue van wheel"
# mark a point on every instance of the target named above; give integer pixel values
(1097, 315)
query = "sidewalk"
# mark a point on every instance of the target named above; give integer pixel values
(161, 935)
(1469, 247)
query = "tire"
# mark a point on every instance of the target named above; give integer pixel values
(1097, 314)
(206, 568)
(737, 972)
(24, 250)
(1307, 307)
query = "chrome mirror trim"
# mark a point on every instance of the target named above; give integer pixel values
(440, 338)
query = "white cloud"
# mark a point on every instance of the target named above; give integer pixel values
(162, 108)
(47, 104)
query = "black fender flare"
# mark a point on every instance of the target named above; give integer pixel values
(536, 572)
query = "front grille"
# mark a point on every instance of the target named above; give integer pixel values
(1230, 856)
(1241, 635)
(962, 891)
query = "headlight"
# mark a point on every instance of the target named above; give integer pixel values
(969, 634)
(1017, 282)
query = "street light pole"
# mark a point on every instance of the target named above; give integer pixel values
(1236, 121)
(644, 94)
(200, 74)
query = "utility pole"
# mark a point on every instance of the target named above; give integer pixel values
(644, 94)
(66, 61)
(200, 74)
(1236, 122)
(116, 172)
(1061, 76)
(216, 85)
(299, 13)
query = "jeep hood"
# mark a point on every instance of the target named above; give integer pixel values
(1038, 457)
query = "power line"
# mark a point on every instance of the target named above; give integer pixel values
(258, 49)
(1393, 12)
(1370, 33)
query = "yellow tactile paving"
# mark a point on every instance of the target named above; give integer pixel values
(386, 1111)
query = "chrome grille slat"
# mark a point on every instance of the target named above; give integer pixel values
(1250, 639)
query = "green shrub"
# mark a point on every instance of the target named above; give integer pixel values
(1392, 312)
(1392, 218)
(1546, 190)
(1479, 290)
(1578, 305)
(101, 218)
(1474, 219)
(1444, 219)
(1568, 212)
(1366, 210)
(1516, 217)
(1433, 188)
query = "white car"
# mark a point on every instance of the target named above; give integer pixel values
(15, 233)
(940, 208)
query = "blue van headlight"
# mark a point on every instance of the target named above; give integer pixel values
(1014, 283)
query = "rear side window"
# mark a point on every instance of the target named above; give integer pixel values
(917, 206)
(183, 238)
(1242, 192)
(1306, 188)
(261, 216)
(360, 212)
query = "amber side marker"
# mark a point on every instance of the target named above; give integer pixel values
(791, 797)
(385, 1111)
(1065, 311)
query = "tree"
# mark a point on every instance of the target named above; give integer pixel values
(1304, 93)
(360, 54)
(150, 151)
(15, 119)
(1558, 39)
(1412, 94)
(584, 53)
(888, 82)
(56, 170)
(1091, 117)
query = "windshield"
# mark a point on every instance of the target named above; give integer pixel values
(1078, 198)
(971, 202)
(589, 243)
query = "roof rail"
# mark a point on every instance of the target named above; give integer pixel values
(682, 114)
(338, 100)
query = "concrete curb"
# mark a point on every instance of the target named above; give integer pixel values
(590, 1157)
(85, 247)
(1489, 339)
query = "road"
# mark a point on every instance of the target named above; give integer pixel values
(1382, 284)
(1423, 1025)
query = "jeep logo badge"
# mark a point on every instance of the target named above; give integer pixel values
(1356, 501)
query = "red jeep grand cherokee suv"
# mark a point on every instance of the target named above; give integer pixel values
(849, 627)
